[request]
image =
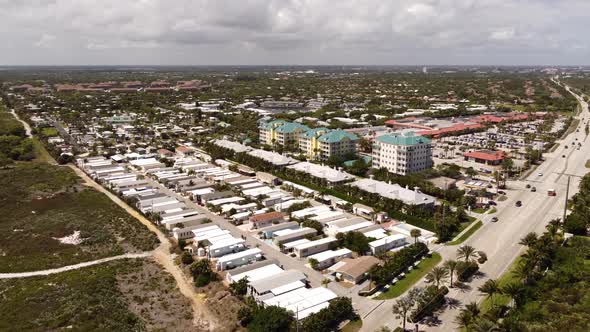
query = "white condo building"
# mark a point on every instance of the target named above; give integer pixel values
(402, 153)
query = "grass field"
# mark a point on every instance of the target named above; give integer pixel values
(129, 295)
(41, 203)
(506, 278)
(587, 163)
(411, 278)
(49, 132)
(466, 235)
(353, 326)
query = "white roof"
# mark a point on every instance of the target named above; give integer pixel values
(260, 273)
(322, 172)
(310, 244)
(376, 233)
(143, 162)
(303, 299)
(272, 157)
(294, 244)
(238, 255)
(328, 254)
(394, 191)
(202, 191)
(287, 287)
(227, 200)
(227, 242)
(388, 239)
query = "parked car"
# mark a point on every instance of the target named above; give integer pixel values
(539, 174)
(534, 189)
(528, 185)
(501, 192)
(492, 203)
(563, 156)
(518, 203)
(494, 219)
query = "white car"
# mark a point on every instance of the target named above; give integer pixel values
(539, 174)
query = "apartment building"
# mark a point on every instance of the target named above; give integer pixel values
(323, 143)
(280, 132)
(402, 153)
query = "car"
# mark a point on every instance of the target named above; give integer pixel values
(528, 185)
(565, 146)
(539, 174)
(518, 203)
(534, 189)
(492, 203)
(494, 219)
(501, 192)
(562, 156)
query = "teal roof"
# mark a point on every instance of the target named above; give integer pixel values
(349, 163)
(273, 124)
(289, 127)
(337, 136)
(406, 139)
(315, 131)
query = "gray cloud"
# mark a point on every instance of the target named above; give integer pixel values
(294, 32)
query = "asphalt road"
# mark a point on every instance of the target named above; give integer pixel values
(500, 240)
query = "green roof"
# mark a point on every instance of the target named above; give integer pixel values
(315, 131)
(337, 136)
(289, 127)
(273, 124)
(406, 139)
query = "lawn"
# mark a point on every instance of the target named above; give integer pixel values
(353, 326)
(466, 235)
(588, 163)
(493, 210)
(411, 278)
(479, 210)
(49, 132)
(506, 278)
(129, 295)
(42, 203)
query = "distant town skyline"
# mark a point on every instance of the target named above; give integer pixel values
(252, 32)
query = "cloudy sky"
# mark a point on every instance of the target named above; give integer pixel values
(218, 32)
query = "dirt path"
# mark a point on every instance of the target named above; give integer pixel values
(26, 125)
(71, 267)
(203, 318)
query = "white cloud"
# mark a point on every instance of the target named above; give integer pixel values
(45, 41)
(289, 31)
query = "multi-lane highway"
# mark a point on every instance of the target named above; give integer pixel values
(500, 240)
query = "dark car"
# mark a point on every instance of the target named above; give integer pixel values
(528, 185)
(563, 156)
(492, 203)
(494, 219)
(518, 203)
(501, 192)
(533, 189)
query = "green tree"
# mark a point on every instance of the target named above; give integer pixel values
(239, 288)
(437, 275)
(415, 233)
(466, 252)
(490, 288)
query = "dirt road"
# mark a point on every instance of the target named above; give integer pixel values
(203, 318)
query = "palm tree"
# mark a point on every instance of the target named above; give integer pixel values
(514, 291)
(490, 288)
(438, 274)
(451, 266)
(473, 309)
(325, 282)
(466, 252)
(464, 319)
(415, 233)
(529, 240)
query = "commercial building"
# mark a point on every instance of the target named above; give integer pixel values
(402, 153)
(492, 158)
(395, 191)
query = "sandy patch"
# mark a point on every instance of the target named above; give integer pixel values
(73, 238)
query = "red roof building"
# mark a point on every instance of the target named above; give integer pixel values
(487, 157)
